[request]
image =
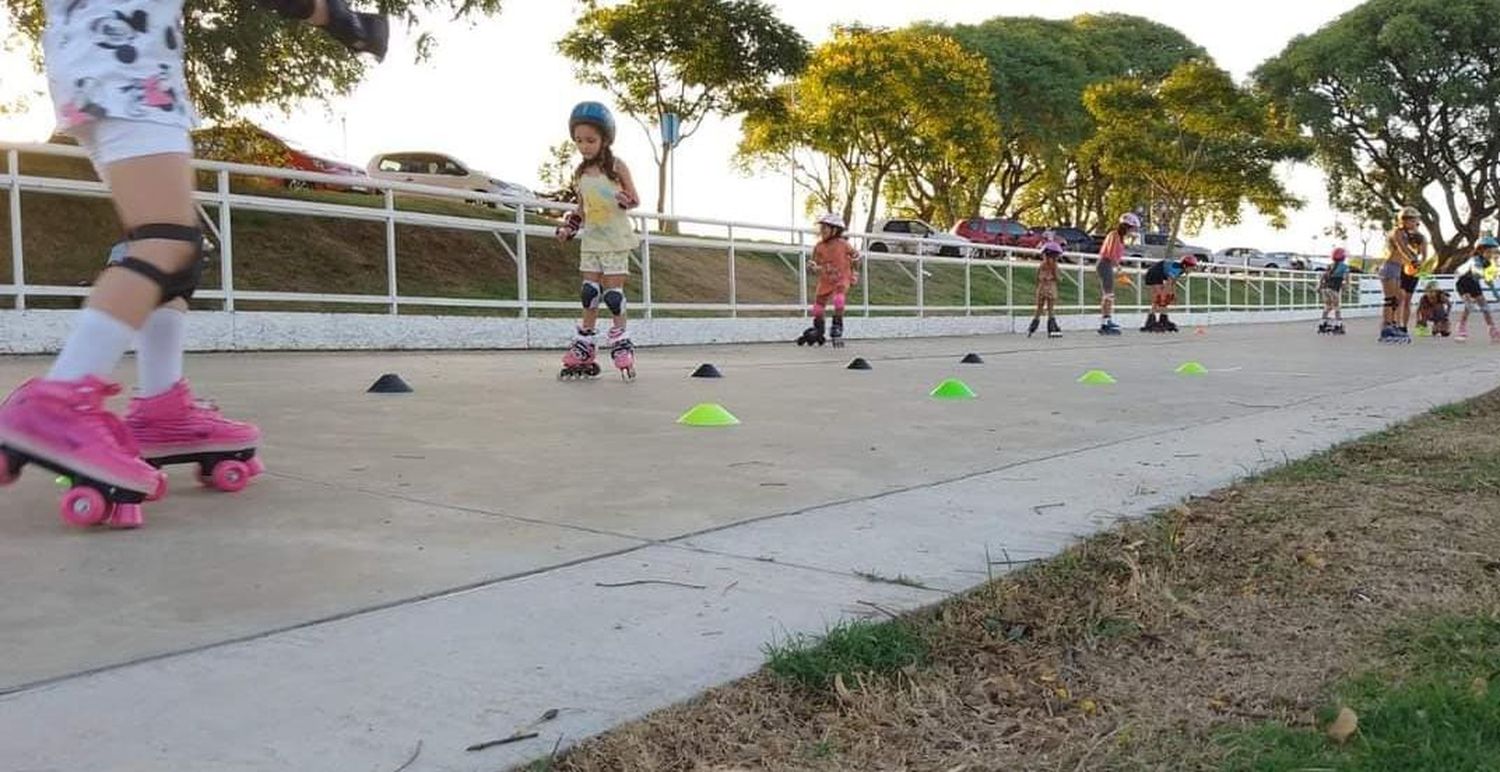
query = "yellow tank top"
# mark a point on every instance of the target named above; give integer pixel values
(606, 227)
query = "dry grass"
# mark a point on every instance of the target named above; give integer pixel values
(1139, 647)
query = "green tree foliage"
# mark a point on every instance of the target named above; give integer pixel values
(1403, 98)
(693, 58)
(1195, 144)
(238, 54)
(556, 172)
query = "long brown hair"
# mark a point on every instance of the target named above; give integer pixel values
(605, 162)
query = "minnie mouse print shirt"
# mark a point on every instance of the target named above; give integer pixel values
(113, 59)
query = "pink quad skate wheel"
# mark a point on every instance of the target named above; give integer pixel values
(6, 478)
(231, 476)
(256, 467)
(83, 506)
(127, 516)
(161, 488)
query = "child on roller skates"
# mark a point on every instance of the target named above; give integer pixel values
(1161, 279)
(1046, 291)
(1433, 310)
(1331, 288)
(1111, 254)
(606, 193)
(834, 260)
(132, 116)
(1480, 269)
(1402, 256)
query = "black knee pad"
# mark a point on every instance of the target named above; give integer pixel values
(1392, 302)
(589, 295)
(172, 285)
(615, 301)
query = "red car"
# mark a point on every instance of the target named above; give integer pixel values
(249, 143)
(997, 231)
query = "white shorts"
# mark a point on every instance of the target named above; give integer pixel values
(116, 139)
(607, 263)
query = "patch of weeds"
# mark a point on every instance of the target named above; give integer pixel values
(850, 648)
(1112, 628)
(901, 579)
(1454, 411)
(1434, 709)
(1322, 467)
(823, 749)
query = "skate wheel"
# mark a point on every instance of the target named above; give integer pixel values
(257, 468)
(125, 516)
(83, 506)
(628, 374)
(161, 488)
(231, 476)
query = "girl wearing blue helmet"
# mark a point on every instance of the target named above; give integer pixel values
(606, 192)
(1476, 271)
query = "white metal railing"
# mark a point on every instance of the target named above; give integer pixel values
(990, 276)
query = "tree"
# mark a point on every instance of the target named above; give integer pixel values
(556, 172)
(1401, 98)
(691, 58)
(787, 133)
(1195, 145)
(238, 54)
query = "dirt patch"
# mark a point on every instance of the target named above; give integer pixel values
(1137, 648)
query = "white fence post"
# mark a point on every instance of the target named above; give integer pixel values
(734, 294)
(646, 266)
(17, 261)
(390, 251)
(226, 242)
(523, 286)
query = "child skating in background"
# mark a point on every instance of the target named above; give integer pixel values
(1331, 288)
(1476, 273)
(606, 193)
(1403, 248)
(1161, 279)
(1111, 254)
(834, 261)
(127, 107)
(1046, 291)
(1433, 310)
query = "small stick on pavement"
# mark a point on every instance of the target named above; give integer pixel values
(880, 608)
(731, 586)
(1038, 508)
(650, 581)
(414, 754)
(515, 738)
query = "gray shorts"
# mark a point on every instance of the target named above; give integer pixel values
(1106, 271)
(1390, 271)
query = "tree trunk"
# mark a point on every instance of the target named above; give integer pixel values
(667, 226)
(875, 198)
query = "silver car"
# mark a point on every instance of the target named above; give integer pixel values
(933, 241)
(441, 171)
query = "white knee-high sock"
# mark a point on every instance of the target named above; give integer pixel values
(158, 352)
(95, 347)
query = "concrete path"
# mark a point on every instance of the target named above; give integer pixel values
(429, 567)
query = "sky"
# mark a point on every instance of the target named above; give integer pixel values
(496, 94)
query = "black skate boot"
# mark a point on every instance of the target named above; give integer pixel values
(1053, 331)
(1325, 328)
(1151, 324)
(1165, 324)
(837, 332)
(813, 336)
(1035, 323)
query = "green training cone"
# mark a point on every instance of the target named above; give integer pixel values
(953, 388)
(708, 414)
(1192, 368)
(1097, 378)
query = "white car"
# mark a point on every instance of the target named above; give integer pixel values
(441, 171)
(1247, 257)
(1153, 246)
(933, 241)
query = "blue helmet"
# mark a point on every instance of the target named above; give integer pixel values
(1489, 242)
(594, 114)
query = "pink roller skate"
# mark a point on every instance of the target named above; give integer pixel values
(578, 361)
(1495, 334)
(622, 351)
(1462, 335)
(174, 428)
(64, 427)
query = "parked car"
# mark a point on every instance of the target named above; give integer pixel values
(1153, 246)
(1291, 260)
(441, 171)
(248, 143)
(934, 241)
(1074, 239)
(998, 231)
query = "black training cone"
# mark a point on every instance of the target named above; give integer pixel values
(859, 363)
(390, 383)
(706, 370)
(972, 359)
